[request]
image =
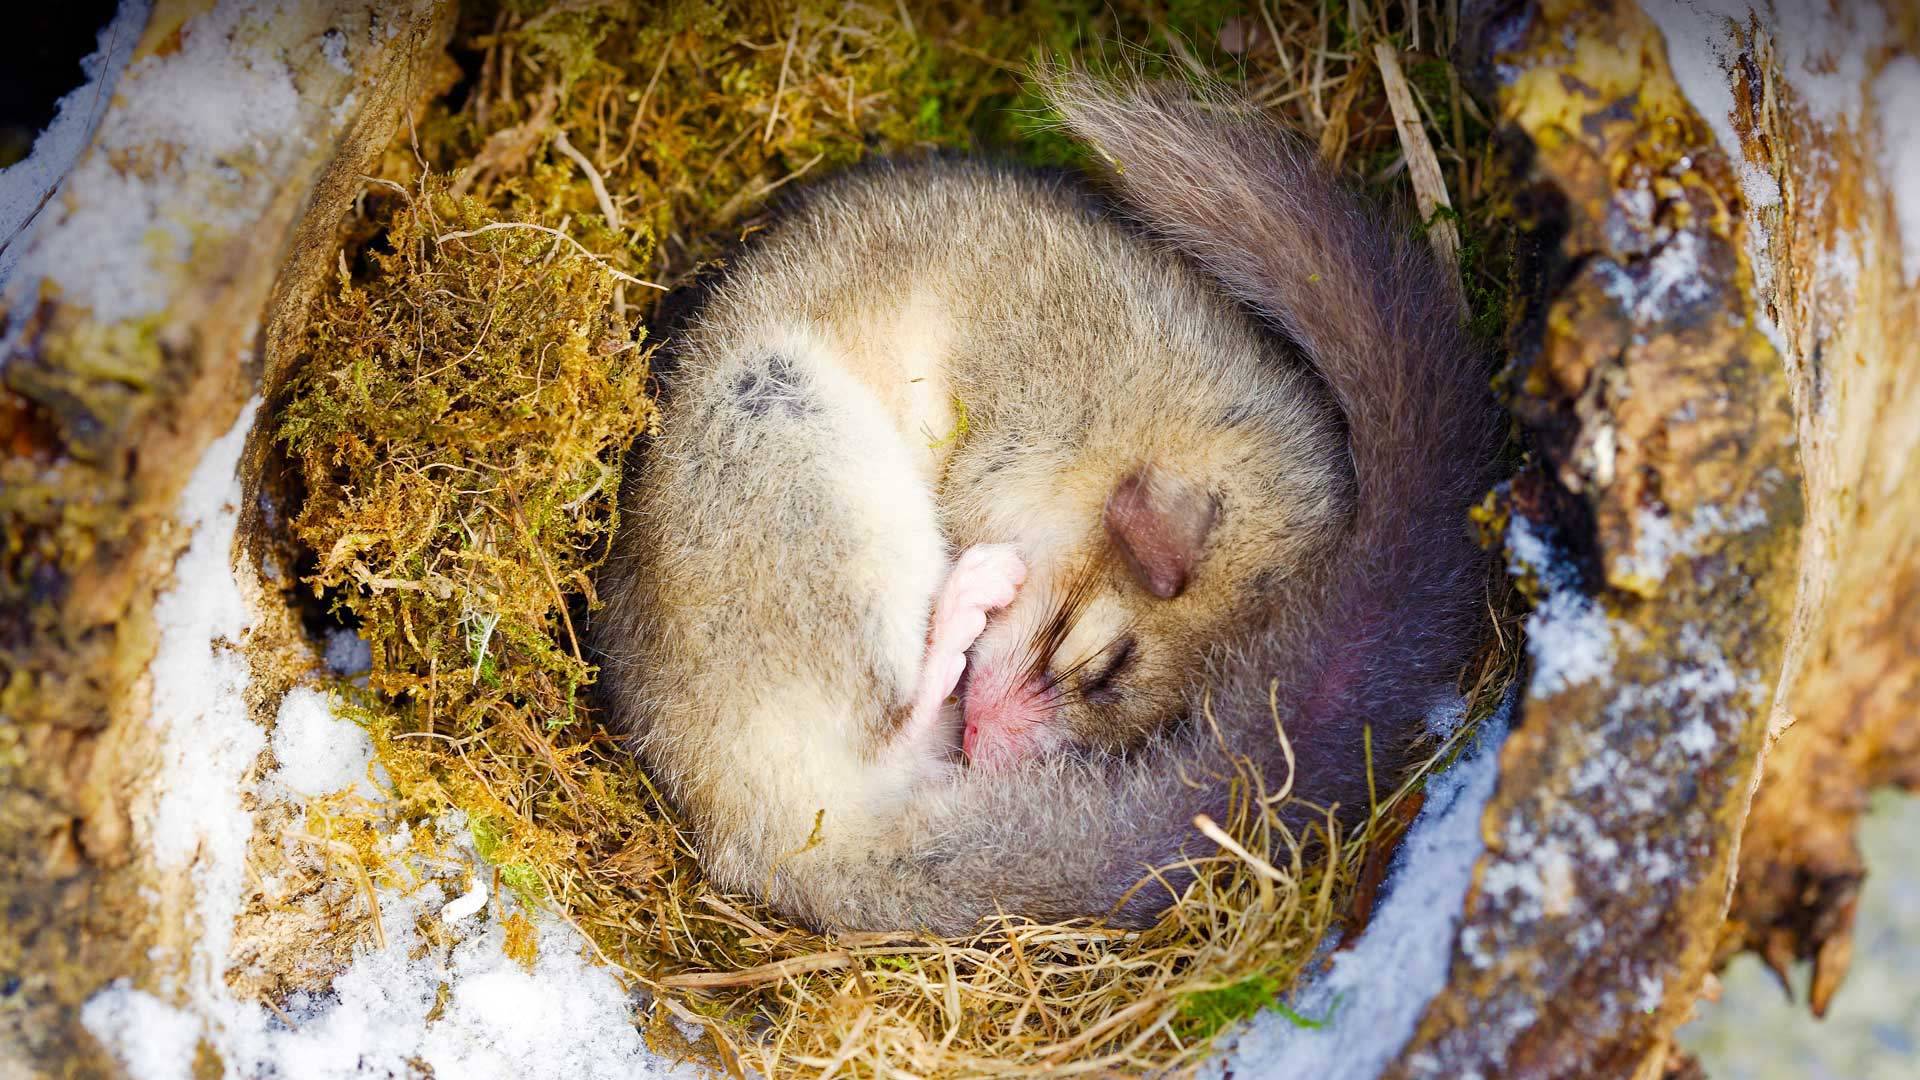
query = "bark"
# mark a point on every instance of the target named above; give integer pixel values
(1742, 515)
(1851, 691)
(101, 422)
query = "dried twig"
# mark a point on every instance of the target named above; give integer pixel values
(777, 971)
(577, 246)
(599, 186)
(1258, 865)
(1423, 167)
(786, 61)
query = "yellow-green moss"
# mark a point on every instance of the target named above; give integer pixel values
(459, 432)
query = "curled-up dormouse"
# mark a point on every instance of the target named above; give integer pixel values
(971, 488)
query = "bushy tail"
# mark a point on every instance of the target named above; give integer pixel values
(1365, 300)
(1379, 318)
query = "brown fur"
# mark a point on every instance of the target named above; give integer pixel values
(768, 599)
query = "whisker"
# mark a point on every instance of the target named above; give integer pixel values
(1045, 645)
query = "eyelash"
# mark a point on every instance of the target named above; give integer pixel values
(1102, 683)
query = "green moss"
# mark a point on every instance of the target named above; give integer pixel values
(1205, 1013)
(486, 837)
(1486, 268)
(524, 882)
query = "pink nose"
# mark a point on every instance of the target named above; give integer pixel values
(1004, 722)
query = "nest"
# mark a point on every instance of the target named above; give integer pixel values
(473, 378)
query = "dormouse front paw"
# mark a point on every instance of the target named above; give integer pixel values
(984, 578)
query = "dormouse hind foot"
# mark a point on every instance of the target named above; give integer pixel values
(984, 578)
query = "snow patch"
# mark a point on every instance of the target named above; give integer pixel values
(1570, 639)
(347, 653)
(565, 1019)
(1662, 287)
(151, 1038)
(1446, 715)
(1821, 48)
(333, 47)
(1374, 993)
(319, 754)
(1660, 541)
(29, 184)
(1626, 829)
(199, 119)
(1699, 37)
(1897, 94)
(198, 821)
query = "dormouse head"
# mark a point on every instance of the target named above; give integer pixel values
(1103, 644)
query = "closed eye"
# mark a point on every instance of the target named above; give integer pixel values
(1100, 688)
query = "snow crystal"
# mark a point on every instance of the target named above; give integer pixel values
(1696, 738)
(1659, 541)
(1823, 49)
(1897, 94)
(1700, 42)
(213, 98)
(566, 1018)
(1662, 287)
(1570, 639)
(1630, 218)
(1446, 715)
(1673, 278)
(1373, 994)
(27, 185)
(333, 46)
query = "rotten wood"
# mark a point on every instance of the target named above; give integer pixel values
(1724, 406)
(102, 419)
(1743, 519)
(1666, 473)
(1850, 706)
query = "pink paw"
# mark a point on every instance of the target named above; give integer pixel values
(984, 578)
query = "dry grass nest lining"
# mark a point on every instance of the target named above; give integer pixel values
(475, 375)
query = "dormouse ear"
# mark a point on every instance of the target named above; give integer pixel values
(1160, 524)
